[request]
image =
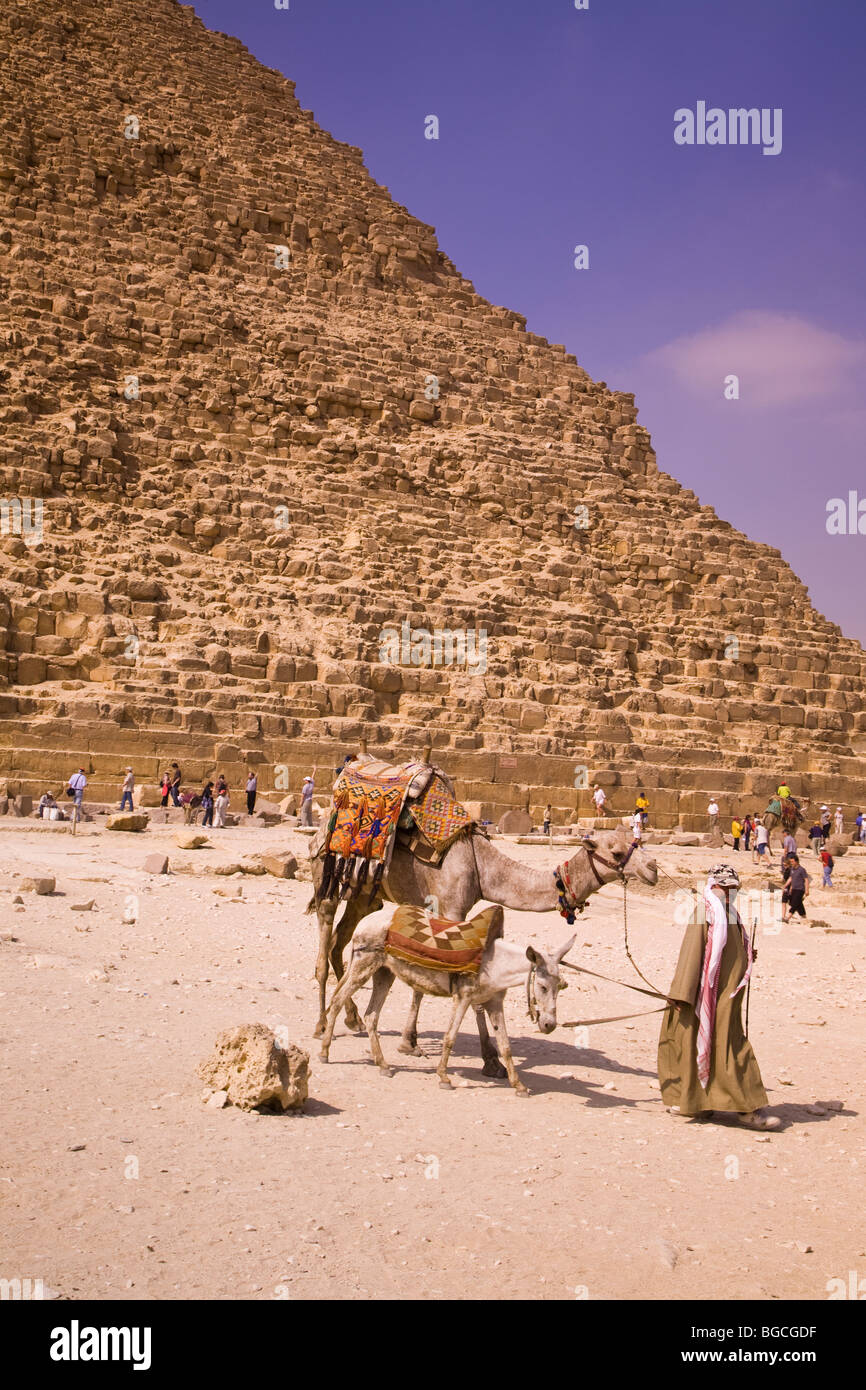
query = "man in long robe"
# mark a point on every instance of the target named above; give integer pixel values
(705, 1060)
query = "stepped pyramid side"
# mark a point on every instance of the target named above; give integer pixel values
(221, 339)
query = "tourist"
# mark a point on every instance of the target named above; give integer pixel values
(221, 803)
(164, 787)
(207, 800)
(47, 804)
(126, 790)
(825, 822)
(174, 788)
(705, 1060)
(713, 813)
(599, 796)
(762, 853)
(637, 826)
(816, 836)
(545, 827)
(642, 805)
(858, 825)
(839, 820)
(307, 800)
(736, 831)
(789, 844)
(828, 865)
(797, 890)
(748, 831)
(863, 830)
(77, 783)
(252, 789)
(783, 792)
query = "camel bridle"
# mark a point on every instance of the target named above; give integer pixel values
(569, 903)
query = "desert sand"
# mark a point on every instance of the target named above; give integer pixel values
(118, 1182)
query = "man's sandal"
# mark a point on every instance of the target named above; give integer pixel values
(755, 1120)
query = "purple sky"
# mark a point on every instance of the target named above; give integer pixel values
(556, 128)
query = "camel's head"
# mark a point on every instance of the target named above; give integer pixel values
(545, 983)
(616, 847)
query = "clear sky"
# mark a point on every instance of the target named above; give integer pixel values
(556, 128)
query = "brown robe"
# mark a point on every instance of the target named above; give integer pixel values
(734, 1081)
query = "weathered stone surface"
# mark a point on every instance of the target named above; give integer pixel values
(254, 1071)
(282, 865)
(189, 839)
(42, 884)
(156, 864)
(128, 820)
(221, 438)
(515, 823)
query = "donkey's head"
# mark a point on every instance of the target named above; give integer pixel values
(544, 983)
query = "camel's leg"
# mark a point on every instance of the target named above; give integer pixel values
(382, 982)
(461, 1004)
(325, 914)
(492, 1065)
(343, 934)
(496, 1014)
(409, 1041)
(364, 963)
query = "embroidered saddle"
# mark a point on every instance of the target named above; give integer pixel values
(437, 944)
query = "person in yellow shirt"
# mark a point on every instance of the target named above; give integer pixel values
(736, 831)
(784, 792)
(641, 805)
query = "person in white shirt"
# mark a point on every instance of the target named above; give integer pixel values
(713, 813)
(599, 796)
(637, 825)
(77, 783)
(839, 818)
(762, 845)
(126, 790)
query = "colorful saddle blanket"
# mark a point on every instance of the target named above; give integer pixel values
(437, 944)
(440, 818)
(788, 811)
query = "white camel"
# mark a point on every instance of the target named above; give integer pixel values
(504, 965)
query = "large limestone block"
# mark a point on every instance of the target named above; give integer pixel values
(188, 839)
(254, 1071)
(282, 864)
(42, 884)
(515, 823)
(128, 820)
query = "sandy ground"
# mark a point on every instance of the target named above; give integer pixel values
(116, 1182)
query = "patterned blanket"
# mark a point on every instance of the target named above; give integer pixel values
(437, 944)
(370, 799)
(439, 817)
(788, 811)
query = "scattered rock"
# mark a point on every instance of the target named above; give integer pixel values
(188, 839)
(516, 823)
(156, 864)
(43, 885)
(128, 820)
(250, 1066)
(281, 865)
(82, 907)
(668, 1254)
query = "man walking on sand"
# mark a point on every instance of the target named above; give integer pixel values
(713, 813)
(599, 796)
(307, 791)
(705, 1060)
(252, 790)
(126, 790)
(762, 845)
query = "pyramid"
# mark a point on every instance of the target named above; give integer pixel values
(276, 478)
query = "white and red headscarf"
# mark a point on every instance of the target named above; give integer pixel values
(725, 877)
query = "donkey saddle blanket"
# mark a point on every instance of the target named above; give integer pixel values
(436, 944)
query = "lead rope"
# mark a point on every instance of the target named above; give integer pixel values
(653, 987)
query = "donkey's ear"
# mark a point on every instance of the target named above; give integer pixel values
(564, 950)
(532, 955)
